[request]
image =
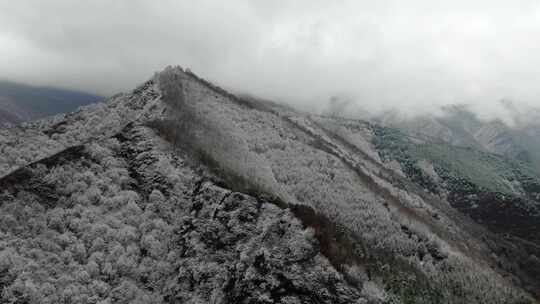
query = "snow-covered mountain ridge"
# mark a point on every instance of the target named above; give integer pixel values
(182, 192)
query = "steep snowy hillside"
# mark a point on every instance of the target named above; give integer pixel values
(181, 192)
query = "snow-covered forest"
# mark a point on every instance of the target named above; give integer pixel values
(182, 192)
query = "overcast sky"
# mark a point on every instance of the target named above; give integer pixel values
(411, 54)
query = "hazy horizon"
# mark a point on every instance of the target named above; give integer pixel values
(415, 57)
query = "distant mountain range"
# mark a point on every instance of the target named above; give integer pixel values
(517, 137)
(20, 102)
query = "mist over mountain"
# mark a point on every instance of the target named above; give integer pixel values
(415, 56)
(513, 136)
(19, 102)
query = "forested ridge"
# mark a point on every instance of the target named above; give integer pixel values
(180, 192)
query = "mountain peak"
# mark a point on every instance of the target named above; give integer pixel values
(180, 191)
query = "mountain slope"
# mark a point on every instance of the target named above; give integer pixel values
(182, 192)
(19, 103)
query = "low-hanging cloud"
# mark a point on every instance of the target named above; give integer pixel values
(414, 55)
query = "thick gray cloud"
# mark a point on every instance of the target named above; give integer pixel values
(378, 54)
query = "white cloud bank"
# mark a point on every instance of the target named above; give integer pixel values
(379, 54)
